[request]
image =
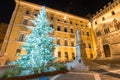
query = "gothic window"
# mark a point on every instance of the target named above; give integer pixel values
(98, 33)
(116, 24)
(59, 54)
(106, 30)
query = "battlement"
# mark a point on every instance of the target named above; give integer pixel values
(106, 8)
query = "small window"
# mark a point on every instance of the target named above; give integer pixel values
(70, 22)
(66, 55)
(18, 51)
(51, 18)
(65, 29)
(58, 28)
(71, 30)
(58, 19)
(58, 41)
(21, 37)
(76, 24)
(27, 12)
(25, 21)
(113, 13)
(95, 22)
(59, 54)
(65, 21)
(66, 43)
(103, 18)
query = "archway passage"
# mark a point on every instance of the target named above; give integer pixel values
(107, 50)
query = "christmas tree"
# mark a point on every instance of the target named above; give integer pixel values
(38, 44)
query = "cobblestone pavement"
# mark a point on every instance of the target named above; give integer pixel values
(74, 76)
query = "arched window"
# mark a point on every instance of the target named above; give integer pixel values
(113, 13)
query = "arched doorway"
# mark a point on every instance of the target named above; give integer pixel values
(107, 50)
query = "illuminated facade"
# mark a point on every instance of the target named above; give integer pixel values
(64, 24)
(106, 25)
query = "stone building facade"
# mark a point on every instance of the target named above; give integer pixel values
(64, 25)
(106, 26)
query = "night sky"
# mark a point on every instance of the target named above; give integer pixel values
(77, 7)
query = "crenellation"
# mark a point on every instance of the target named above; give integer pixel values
(107, 8)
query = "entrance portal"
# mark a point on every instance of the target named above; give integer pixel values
(107, 50)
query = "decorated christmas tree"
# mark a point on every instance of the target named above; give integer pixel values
(38, 44)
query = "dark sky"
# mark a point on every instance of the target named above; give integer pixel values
(76, 7)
